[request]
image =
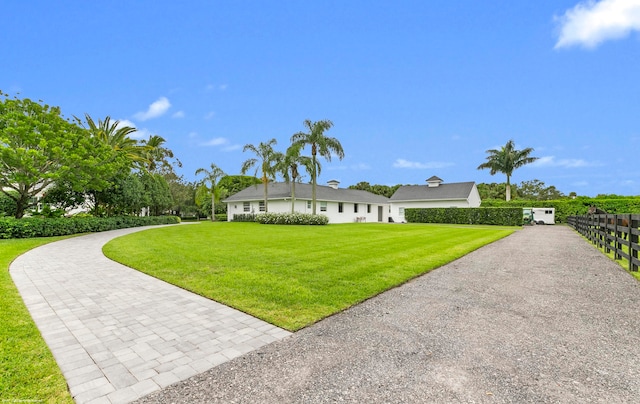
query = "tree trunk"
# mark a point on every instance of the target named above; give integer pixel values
(293, 195)
(313, 180)
(508, 190)
(213, 204)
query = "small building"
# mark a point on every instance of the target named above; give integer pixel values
(436, 194)
(340, 205)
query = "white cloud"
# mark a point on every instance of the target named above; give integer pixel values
(402, 163)
(138, 134)
(217, 141)
(156, 109)
(179, 114)
(590, 23)
(210, 115)
(232, 147)
(551, 161)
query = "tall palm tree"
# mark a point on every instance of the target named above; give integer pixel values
(266, 160)
(320, 145)
(118, 138)
(506, 160)
(155, 153)
(212, 175)
(288, 167)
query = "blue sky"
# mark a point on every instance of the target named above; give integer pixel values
(414, 88)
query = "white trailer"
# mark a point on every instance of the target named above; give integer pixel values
(544, 215)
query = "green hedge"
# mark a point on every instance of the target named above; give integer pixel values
(493, 216)
(292, 218)
(41, 227)
(573, 207)
(244, 217)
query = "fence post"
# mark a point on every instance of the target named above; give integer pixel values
(633, 242)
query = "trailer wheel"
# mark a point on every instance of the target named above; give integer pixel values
(540, 222)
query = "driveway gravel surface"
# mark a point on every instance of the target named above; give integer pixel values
(540, 316)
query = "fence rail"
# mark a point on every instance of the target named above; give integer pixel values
(613, 233)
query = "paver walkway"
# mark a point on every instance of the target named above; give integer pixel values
(118, 334)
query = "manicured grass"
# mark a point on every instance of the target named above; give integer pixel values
(28, 371)
(293, 276)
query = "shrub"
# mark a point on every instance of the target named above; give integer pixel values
(292, 218)
(49, 227)
(244, 217)
(493, 216)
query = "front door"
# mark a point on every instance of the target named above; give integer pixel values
(379, 213)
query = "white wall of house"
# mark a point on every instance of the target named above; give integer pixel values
(336, 213)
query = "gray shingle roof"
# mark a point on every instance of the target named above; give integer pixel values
(456, 190)
(282, 190)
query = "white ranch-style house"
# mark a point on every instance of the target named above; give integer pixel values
(435, 194)
(343, 205)
(340, 205)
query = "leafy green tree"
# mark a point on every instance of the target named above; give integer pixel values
(212, 176)
(320, 145)
(362, 186)
(183, 194)
(38, 147)
(157, 194)
(266, 160)
(288, 167)
(506, 160)
(236, 183)
(537, 190)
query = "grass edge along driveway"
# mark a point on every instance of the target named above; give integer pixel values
(293, 276)
(28, 371)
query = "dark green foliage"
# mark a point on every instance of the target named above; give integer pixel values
(384, 190)
(576, 206)
(7, 206)
(39, 227)
(492, 216)
(221, 217)
(244, 217)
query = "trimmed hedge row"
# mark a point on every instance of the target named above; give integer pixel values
(40, 227)
(292, 218)
(282, 218)
(573, 207)
(493, 216)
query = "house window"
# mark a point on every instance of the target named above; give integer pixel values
(308, 204)
(261, 206)
(401, 211)
(355, 208)
(246, 206)
(368, 208)
(340, 207)
(323, 206)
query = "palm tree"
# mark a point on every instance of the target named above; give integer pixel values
(506, 160)
(212, 175)
(268, 159)
(288, 167)
(118, 138)
(156, 154)
(320, 145)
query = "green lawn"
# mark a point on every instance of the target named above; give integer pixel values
(293, 276)
(28, 371)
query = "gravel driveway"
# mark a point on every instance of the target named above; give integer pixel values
(538, 317)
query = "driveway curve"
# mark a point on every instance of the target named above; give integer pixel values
(538, 317)
(118, 334)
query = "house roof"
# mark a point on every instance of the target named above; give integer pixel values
(456, 190)
(282, 190)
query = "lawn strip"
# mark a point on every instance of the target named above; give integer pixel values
(27, 368)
